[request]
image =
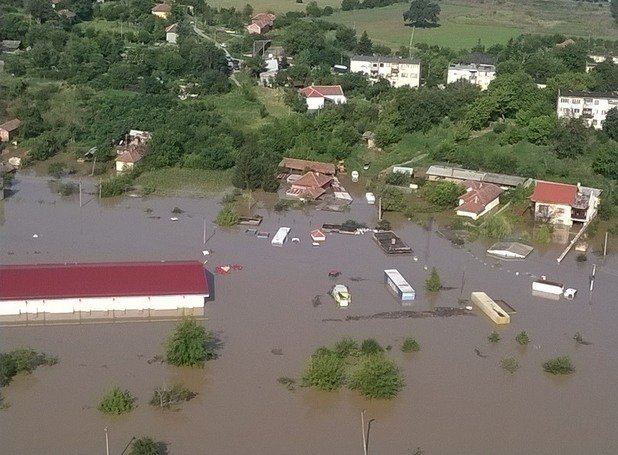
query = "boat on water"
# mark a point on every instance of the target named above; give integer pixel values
(341, 294)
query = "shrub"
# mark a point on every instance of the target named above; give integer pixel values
(510, 364)
(410, 345)
(189, 344)
(165, 398)
(433, 282)
(442, 194)
(116, 186)
(494, 337)
(522, 338)
(67, 189)
(397, 178)
(559, 365)
(325, 371)
(345, 347)
(497, 227)
(369, 346)
(377, 377)
(22, 360)
(227, 217)
(282, 205)
(543, 235)
(56, 170)
(116, 402)
(145, 446)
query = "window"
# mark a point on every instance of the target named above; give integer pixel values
(576, 111)
(596, 102)
(404, 75)
(576, 101)
(565, 100)
(381, 65)
(594, 122)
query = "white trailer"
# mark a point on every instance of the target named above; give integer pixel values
(548, 287)
(280, 236)
(398, 285)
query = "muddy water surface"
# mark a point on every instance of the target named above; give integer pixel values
(455, 402)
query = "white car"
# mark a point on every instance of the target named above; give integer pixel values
(569, 294)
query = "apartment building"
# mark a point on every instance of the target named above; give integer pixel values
(591, 107)
(400, 72)
(474, 73)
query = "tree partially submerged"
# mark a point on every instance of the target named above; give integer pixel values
(146, 446)
(325, 371)
(559, 365)
(377, 377)
(116, 402)
(190, 344)
(165, 397)
(433, 282)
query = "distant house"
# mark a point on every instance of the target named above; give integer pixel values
(171, 33)
(161, 10)
(562, 203)
(299, 167)
(131, 150)
(592, 107)
(67, 14)
(593, 60)
(261, 23)
(452, 174)
(318, 95)
(565, 43)
(8, 130)
(478, 199)
(268, 75)
(476, 74)
(400, 72)
(9, 46)
(310, 186)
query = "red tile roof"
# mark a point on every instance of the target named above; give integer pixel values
(302, 165)
(322, 91)
(266, 18)
(554, 193)
(313, 180)
(478, 196)
(114, 279)
(132, 155)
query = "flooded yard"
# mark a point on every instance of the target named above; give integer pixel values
(455, 400)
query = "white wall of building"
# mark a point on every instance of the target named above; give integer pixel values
(167, 302)
(480, 75)
(316, 102)
(476, 216)
(399, 74)
(553, 213)
(593, 108)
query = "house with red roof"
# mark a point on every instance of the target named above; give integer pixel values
(479, 198)
(261, 23)
(319, 95)
(131, 150)
(310, 186)
(161, 10)
(563, 203)
(73, 288)
(297, 166)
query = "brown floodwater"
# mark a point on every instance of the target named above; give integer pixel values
(454, 402)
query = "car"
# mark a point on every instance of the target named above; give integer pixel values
(341, 295)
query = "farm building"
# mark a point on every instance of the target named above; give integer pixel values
(119, 286)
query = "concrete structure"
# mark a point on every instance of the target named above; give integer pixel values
(162, 10)
(592, 107)
(453, 174)
(296, 166)
(70, 288)
(261, 23)
(562, 203)
(9, 46)
(319, 95)
(399, 72)
(479, 198)
(593, 60)
(8, 130)
(171, 34)
(487, 305)
(473, 73)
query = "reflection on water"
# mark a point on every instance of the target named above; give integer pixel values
(455, 401)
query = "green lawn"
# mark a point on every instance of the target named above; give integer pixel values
(185, 182)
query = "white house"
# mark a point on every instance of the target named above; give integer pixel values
(171, 33)
(562, 203)
(400, 72)
(592, 107)
(594, 59)
(318, 95)
(478, 199)
(270, 71)
(477, 74)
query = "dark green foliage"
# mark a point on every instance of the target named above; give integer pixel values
(559, 365)
(189, 344)
(610, 126)
(116, 402)
(442, 194)
(370, 346)
(410, 345)
(422, 13)
(145, 446)
(494, 337)
(22, 360)
(325, 371)
(116, 186)
(346, 347)
(433, 282)
(606, 160)
(397, 178)
(166, 398)
(377, 377)
(364, 45)
(392, 199)
(570, 138)
(227, 216)
(522, 338)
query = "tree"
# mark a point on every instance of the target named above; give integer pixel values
(422, 13)
(325, 371)
(145, 446)
(610, 126)
(606, 160)
(189, 344)
(559, 365)
(346, 38)
(433, 282)
(410, 345)
(165, 398)
(116, 402)
(377, 377)
(247, 12)
(570, 138)
(442, 194)
(540, 129)
(365, 45)
(613, 8)
(497, 227)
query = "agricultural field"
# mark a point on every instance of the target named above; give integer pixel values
(276, 6)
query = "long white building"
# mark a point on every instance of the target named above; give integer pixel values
(477, 74)
(400, 72)
(591, 107)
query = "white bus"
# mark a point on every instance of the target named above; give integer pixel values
(280, 236)
(399, 285)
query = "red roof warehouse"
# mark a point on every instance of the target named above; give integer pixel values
(120, 279)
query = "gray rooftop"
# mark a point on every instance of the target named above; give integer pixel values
(478, 176)
(385, 59)
(471, 66)
(512, 247)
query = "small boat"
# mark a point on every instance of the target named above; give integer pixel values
(341, 295)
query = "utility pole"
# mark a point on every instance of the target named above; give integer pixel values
(100, 186)
(80, 194)
(380, 209)
(94, 162)
(204, 231)
(106, 442)
(363, 430)
(605, 247)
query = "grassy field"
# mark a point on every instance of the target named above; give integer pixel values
(101, 25)
(277, 6)
(186, 182)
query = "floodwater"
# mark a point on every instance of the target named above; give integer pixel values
(455, 402)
